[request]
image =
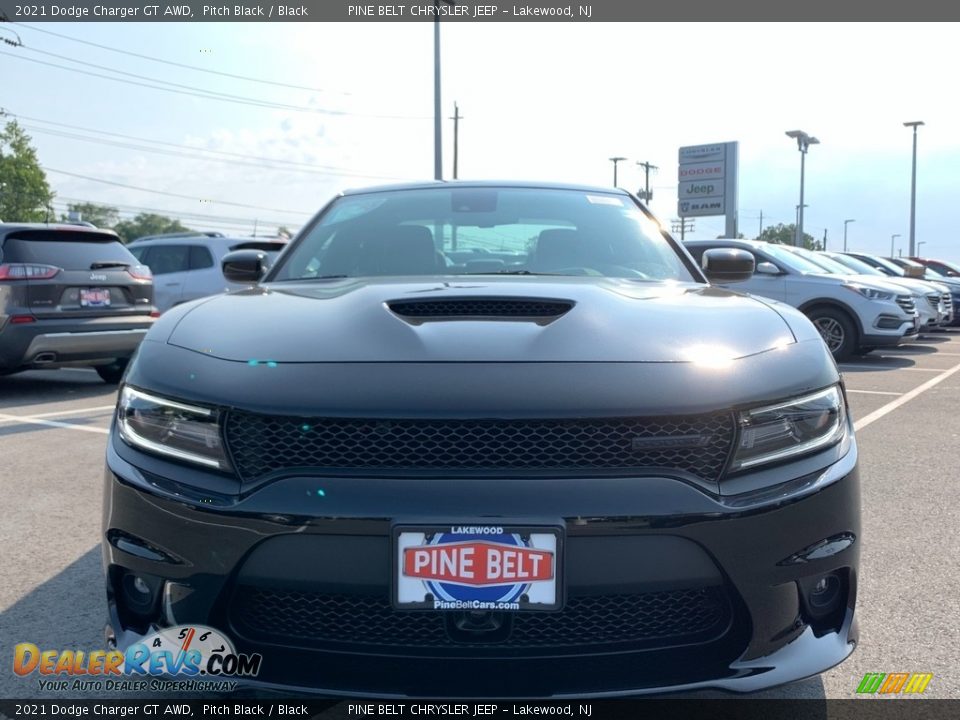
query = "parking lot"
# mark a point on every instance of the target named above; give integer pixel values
(53, 428)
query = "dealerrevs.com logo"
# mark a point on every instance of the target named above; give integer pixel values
(185, 657)
(894, 683)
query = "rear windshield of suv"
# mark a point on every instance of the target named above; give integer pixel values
(67, 250)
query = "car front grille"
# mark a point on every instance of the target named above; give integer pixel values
(947, 302)
(906, 302)
(934, 300)
(346, 621)
(263, 444)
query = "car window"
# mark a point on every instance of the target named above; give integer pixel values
(855, 264)
(200, 257)
(484, 231)
(165, 259)
(140, 253)
(791, 260)
(67, 250)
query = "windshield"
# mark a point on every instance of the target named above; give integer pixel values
(792, 260)
(828, 264)
(482, 231)
(889, 265)
(854, 264)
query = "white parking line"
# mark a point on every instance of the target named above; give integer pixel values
(905, 398)
(71, 412)
(50, 423)
(919, 354)
(878, 366)
(873, 392)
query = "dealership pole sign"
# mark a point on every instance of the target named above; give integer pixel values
(708, 182)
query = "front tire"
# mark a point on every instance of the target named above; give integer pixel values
(837, 330)
(112, 373)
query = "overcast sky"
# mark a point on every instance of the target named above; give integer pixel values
(548, 101)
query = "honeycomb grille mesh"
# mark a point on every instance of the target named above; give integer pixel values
(261, 444)
(667, 617)
(480, 307)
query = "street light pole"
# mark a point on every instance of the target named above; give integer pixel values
(804, 141)
(918, 249)
(845, 223)
(913, 187)
(892, 238)
(616, 160)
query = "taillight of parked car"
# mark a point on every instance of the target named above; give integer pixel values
(25, 271)
(140, 272)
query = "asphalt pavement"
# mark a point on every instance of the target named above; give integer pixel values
(906, 407)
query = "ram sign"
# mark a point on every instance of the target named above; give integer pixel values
(708, 182)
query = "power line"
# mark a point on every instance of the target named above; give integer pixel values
(182, 214)
(195, 156)
(169, 194)
(333, 169)
(202, 93)
(182, 65)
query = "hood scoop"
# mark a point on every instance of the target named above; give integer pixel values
(525, 309)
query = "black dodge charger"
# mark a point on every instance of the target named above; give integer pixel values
(486, 439)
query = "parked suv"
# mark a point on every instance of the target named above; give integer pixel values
(852, 316)
(927, 295)
(70, 296)
(188, 267)
(950, 287)
(585, 470)
(947, 269)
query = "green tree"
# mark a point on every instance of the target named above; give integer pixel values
(103, 216)
(25, 195)
(785, 234)
(147, 224)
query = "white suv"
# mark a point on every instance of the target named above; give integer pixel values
(188, 267)
(853, 315)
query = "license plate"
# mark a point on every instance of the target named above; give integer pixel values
(477, 567)
(94, 297)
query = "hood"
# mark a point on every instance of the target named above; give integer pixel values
(516, 319)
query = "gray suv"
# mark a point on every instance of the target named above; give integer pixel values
(70, 296)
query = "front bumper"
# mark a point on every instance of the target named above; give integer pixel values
(307, 556)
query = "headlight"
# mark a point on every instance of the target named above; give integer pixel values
(166, 427)
(796, 427)
(870, 293)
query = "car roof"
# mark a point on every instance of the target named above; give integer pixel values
(202, 240)
(740, 241)
(491, 184)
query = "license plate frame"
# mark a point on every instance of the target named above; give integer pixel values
(94, 297)
(519, 551)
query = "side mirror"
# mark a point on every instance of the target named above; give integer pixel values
(727, 265)
(768, 268)
(245, 266)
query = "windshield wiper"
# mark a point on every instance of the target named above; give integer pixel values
(513, 272)
(100, 265)
(312, 277)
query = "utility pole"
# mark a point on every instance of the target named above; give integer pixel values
(681, 225)
(457, 117)
(647, 167)
(824, 238)
(761, 224)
